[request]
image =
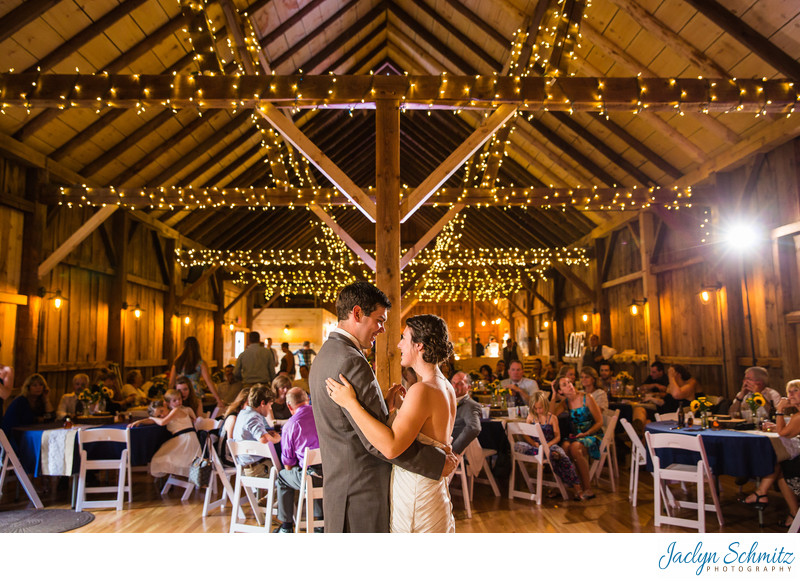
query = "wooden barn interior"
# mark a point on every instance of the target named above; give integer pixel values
(523, 168)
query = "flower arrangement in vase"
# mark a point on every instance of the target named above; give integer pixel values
(703, 406)
(95, 398)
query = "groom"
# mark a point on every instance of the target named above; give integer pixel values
(356, 476)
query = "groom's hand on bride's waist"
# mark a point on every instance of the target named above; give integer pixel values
(450, 463)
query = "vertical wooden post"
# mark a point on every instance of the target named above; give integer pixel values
(26, 352)
(601, 300)
(652, 314)
(117, 301)
(472, 341)
(219, 320)
(387, 235)
(557, 325)
(531, 325)
(170, 302)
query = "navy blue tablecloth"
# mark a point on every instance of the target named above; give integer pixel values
(145, 441)
(729, 452)
(493, 435)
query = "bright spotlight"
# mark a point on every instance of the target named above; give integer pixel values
(742, 236)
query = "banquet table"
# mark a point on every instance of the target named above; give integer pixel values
(60, 446)
(729, 452)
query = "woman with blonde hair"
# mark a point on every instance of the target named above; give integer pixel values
(539, 412)
(32, 406)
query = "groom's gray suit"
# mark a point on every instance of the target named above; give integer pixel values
(356, 476)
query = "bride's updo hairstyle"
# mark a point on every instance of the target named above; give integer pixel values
(431, 331)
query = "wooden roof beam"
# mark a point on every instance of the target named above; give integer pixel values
(23, 15)
(749, 37)
(485, 131)
(357, 249)
(431, 234)
(565, 37)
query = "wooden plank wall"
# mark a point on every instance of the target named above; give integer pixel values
(12, 182)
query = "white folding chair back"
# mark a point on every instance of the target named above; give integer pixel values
(308, 494)
(699, 474)
(220, 478)
(638, 458)
(478, 462)
(521, 460)
(596, 468)
(795, 527)
(251, 486)
(666, 416)
(120, 464)
(9, 462)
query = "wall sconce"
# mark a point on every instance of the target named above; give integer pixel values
(585, 317)
(286, 329)
(546, 324)
(231, 326)
(187, 320)
(483, 323)
(707, 293)
(137, 311)
(57, 297)
(634, 306)
(461, 323)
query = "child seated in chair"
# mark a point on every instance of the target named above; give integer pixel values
(176, 455)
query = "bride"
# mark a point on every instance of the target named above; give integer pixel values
(419, 504)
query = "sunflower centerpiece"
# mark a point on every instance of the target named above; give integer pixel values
(701, 405)
(95, 398)
(500, 393)
(754, 401)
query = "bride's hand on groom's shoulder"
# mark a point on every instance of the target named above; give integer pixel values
(341, 393)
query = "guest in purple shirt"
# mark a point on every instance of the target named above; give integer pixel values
(299, 433)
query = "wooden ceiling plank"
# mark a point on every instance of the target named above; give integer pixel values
(575, 280)
(239, 297)
(323, 163)
(599, 145)
(565, 38)
(23, 15)
(485, 131)
(368, 259)
(674, 41)
(201, 280)
(749, 37)
(478, 21)
(95, 29)
(226, 174)
(218, 157)
(284, 26)
(228, 129)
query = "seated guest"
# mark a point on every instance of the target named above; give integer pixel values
(565, 371)
(229, 388)
(302, 381)
(585, 430)
(501, 370)
(549, 372)
(606, 376)
(522, 388)
(108, 378)
(590, 384)
(539, 412)
(280, 410)
(654, 390)
(657, 381)
(486, 373)
(190, 400)
(467, 424)
(299, 433)
(6, 383)
(755, 380)
(176, 455)
(32, 406)
(536, 370)
(787, 473)
(69, 405)
(132, 392)
(251, 425)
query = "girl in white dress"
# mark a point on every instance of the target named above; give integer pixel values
(427, 414)
(175, 455)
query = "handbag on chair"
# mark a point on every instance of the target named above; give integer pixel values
(200, 469)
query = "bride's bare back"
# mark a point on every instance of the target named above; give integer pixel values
(435, 400)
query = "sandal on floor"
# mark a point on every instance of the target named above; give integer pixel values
(758, 503)
(786, 523)
(590, 496)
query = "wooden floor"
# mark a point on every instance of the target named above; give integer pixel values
(608, 512)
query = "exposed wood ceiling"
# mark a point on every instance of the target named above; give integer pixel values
(158, 147)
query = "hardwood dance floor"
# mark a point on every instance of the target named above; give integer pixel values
(608, 512)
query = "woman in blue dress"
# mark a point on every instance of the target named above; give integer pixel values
(586, 430)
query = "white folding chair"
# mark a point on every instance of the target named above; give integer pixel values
(251, 486)
(120, 464)
(596, 468)
(521, 460)
(461, 473)
(666, 416)
(220, 477)
(638, 459)
(795, 527)
(308, 494)
(483, 467)
(698, 474)
(9, 462)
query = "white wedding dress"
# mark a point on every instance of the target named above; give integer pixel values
(419, 504)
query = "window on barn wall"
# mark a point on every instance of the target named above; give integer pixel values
(238, 343)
